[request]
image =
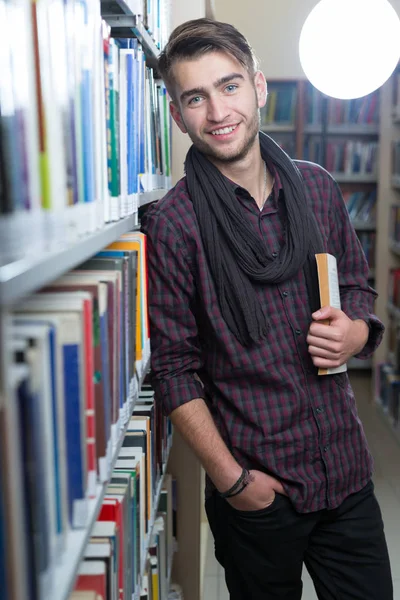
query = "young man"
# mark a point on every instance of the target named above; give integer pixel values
(236, 337)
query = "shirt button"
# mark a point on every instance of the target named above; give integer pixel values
(274, 254)
(298, 331)
(284, 294)
(319, 410)
(326, 448)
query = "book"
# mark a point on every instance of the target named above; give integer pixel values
(328, 283)
(92, 576)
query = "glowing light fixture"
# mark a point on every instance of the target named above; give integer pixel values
(349, 48)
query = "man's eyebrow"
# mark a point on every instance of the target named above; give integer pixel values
(218, 83)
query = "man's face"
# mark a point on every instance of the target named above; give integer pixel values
(217, 103)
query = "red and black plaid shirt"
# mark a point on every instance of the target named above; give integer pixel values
(272, 410)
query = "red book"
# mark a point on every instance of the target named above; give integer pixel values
(92, 577)
(112, 510)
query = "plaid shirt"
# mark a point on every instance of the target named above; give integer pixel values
(272, 410)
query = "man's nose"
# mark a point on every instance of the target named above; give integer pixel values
(217, 110)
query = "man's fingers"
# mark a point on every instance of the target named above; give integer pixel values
(326, 332)
(322, 353)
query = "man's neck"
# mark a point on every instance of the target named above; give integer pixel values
(249, 173)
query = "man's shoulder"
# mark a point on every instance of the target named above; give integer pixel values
(312, 172)
(174, 210)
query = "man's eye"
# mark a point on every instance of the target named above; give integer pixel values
(195, 100)
(231, 87)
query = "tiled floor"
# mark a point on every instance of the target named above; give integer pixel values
(386, 451)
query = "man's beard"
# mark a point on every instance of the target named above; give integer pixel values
(238, 154)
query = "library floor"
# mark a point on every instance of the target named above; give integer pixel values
(386, 451)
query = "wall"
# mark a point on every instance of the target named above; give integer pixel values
(273, 28)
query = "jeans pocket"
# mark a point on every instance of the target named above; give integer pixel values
(260, 512)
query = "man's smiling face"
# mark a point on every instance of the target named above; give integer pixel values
(217, 101)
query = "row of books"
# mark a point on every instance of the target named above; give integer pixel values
(394, 223)
(84, 126)
(132, 542)
(347, 157)
(79, 348)
(388, 388)
(361, 206)
(281, 104)
(341, 112)
(155, 17)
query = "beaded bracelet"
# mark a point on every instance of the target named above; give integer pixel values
(241, 483)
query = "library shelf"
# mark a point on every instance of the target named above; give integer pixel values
(153, 517)
(23, 277)
(345, 129)
(65, 573)
(278, 128)
(355, 177)
(124, 23)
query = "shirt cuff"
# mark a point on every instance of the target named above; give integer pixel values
(177, 391)
(376, 330)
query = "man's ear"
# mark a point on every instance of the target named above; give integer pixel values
(261, 88)
(176, 115)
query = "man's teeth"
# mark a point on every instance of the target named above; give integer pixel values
(224, 131)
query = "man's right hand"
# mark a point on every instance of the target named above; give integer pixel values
(258, 494)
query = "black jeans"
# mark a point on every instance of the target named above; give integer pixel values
(263, 552)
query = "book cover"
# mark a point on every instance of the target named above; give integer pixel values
(328, 282)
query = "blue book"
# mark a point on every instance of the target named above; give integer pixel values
(33, 461)
(87, 112)
(71, 358)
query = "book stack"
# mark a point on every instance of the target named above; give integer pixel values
(281, 104)
(352, 157)
(131, 546)
(341, 112)
(79, 349)
(84, 126)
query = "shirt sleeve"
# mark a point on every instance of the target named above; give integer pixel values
(175, 350)
(357, 297)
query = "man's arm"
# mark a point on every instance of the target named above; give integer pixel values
(355, 330)
(196, 425)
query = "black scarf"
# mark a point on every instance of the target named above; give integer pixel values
(236, 255)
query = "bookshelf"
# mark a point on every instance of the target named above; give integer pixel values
(342, 136)
(388, 258)
(26, 270)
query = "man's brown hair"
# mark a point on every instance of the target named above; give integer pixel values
(194, 38)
